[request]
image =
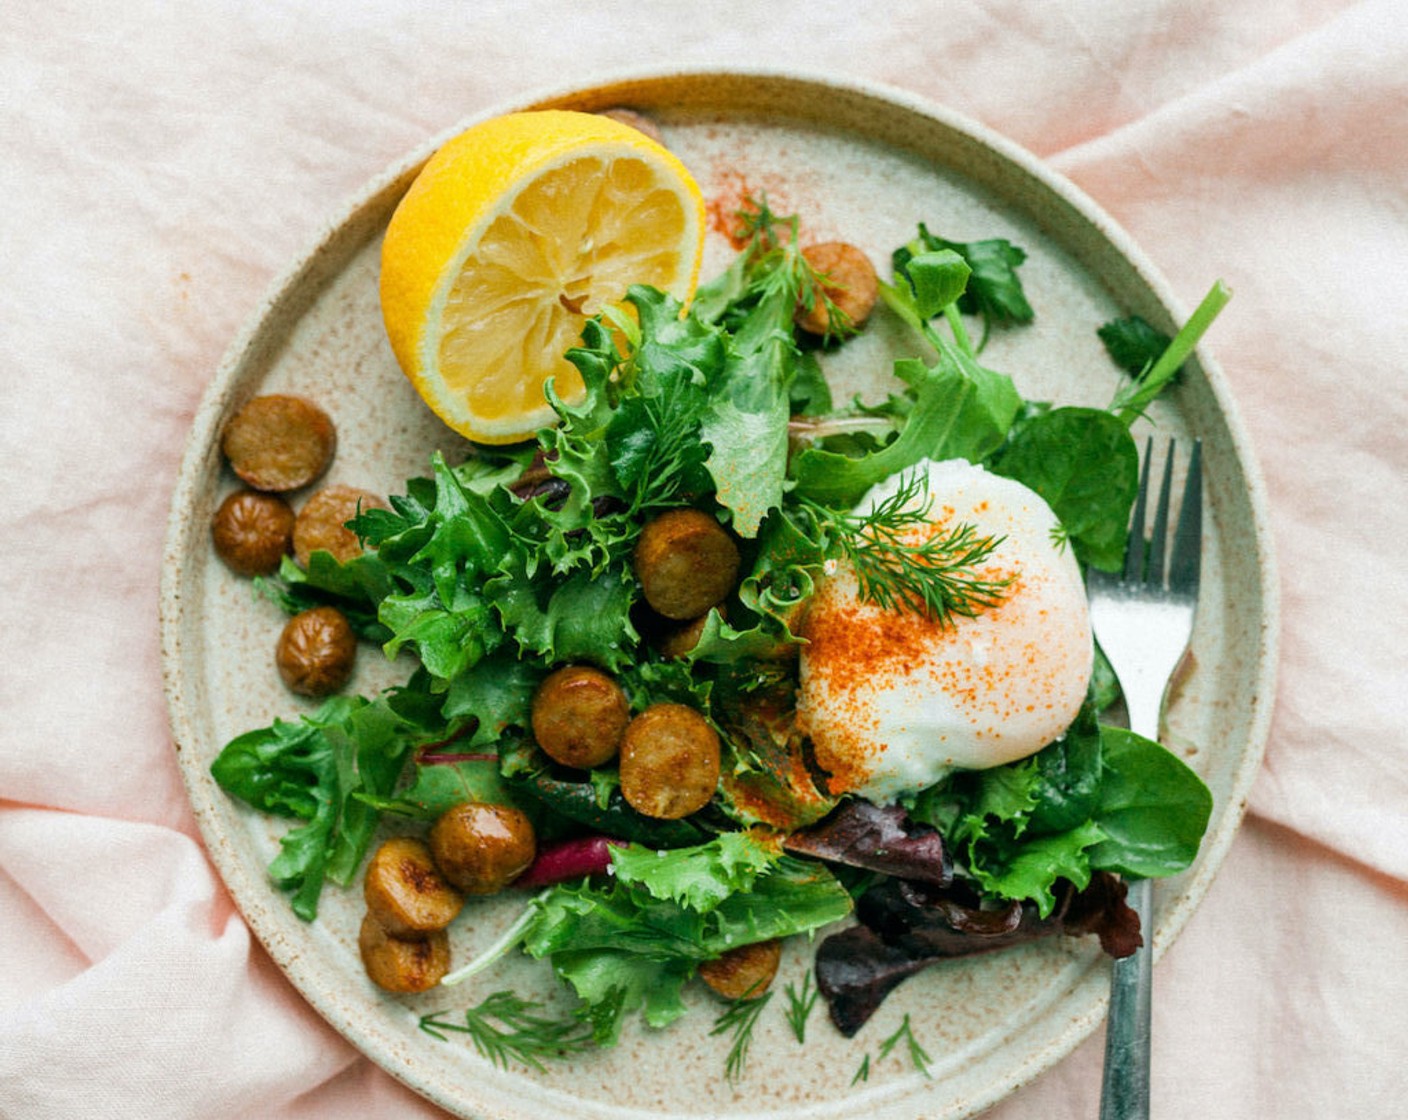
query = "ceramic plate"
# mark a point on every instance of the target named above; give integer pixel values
(856, 162)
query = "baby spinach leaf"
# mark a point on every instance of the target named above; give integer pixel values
(1153, 808)
(1084, 463)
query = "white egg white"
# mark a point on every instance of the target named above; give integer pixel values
(895, 700)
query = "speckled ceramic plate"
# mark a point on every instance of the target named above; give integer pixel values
(859, 163)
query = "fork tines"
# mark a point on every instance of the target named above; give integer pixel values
(1149, 561)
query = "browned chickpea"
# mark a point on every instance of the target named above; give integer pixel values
(405, 891)
(279, 442)
(322, 523)
(745, 972)
(316, 652)
(579, 715)
(637, 120)
(686, 563)
(400, 964)
(252, 532)
(681, 640)
(849, 281)
(669, 762)
(482, 848)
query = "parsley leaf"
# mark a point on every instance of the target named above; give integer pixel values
(1132, 343)
(994, 290)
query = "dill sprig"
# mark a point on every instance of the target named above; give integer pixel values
(918, 1056)
(902, 564)
(781, 273)
(740, 1016)
(799, 1006)
(505, 1028)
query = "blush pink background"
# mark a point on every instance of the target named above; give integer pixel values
(161, 165)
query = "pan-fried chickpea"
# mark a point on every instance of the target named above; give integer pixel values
(849, 282)
(405, 891)
(680, 641)
(403, 964)
(279, 443)
(686, 563)
(316, 651)
(670, 760)
(322, 523)
(482, 848)
(252, 532)
(745, 972)
(579, 715)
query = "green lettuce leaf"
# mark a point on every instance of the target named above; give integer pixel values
(311, 770)
(961, 410)
(699, 878)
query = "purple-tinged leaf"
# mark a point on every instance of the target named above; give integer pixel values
(877, 838)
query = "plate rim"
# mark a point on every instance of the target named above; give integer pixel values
(202, 447)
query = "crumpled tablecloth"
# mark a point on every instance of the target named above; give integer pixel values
(163, 162)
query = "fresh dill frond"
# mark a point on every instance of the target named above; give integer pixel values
(902, 564)
(917, 1054)
(799, 1006)
(780, 274)
(740, 1017)
(505, 1028)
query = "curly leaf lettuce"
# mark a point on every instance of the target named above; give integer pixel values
(633, 945)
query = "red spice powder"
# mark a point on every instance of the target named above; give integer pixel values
(734, 193)
(854, 644)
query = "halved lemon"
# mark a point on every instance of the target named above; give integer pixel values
(514, 233)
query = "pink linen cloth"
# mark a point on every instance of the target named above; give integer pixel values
(163, 162)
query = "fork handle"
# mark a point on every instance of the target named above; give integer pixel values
(1124, 1092)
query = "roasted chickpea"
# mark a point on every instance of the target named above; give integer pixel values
(405, 891)
(579, 715)
(252, 532)
(322, 523)
(400, 964)
(316, 652)
(279, 442)
(849, 282)
(670, 760)
(682, 639)
(482, 848)
(745, 972)
(686, 563)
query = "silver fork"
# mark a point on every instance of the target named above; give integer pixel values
(1143, 619)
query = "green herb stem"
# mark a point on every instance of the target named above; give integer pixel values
(1129, 405)
(740, 1017)
(505, 943)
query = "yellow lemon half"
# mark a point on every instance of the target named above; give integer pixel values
(514, 233)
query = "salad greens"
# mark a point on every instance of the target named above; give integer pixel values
(492, 571)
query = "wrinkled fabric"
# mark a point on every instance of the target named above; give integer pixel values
(162, 163)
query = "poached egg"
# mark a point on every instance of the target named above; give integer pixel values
(894, 700)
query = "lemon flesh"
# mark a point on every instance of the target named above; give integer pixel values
(512, 236)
